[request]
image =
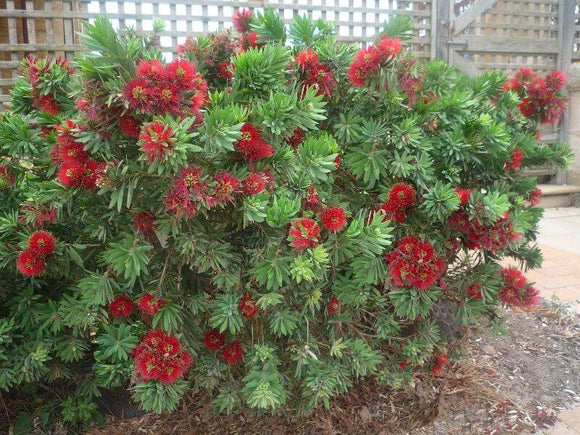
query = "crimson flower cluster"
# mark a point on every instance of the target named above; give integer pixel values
(541, 97)
(516, 291)
(517, 158)
(176, 89)
(248, 307)
(155, 140)
(32, 261)
(315, 74)
(441, 360)
(413, 263)
(304, 233)
(492, 238)
(242, 20)
(76, 169)
(251, 146)
(213, 60)
(333, 305)
(121, 306)
(367, 61)
(333, 218)
(151, 304)
(401, 197)
(231, 353)
(160, 357)
(37, 215)
(37, 70)
(6, 176)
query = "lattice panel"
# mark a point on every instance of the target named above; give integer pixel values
(514, 34)
(576, 45)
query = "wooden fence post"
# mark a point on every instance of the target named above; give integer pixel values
(441, 20)
(566, 16)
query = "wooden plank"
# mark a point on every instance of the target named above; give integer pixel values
(470, 15)
(463, 65)
(443, 14)
(508, 45)
(39, 47)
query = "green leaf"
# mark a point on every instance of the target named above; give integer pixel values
(226, 314)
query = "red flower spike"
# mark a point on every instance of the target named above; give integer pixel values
(297, 138)
(130, 126)
(121, 306)
(389, 47)
(253, 184)
(152, 70)
(251, 146)
(214, 340)
(241, 20)
(474, 291)
(304, 233)
(516, 160)
(71, 173)
(233, 353)
(464, 195)
(307, 59)
(30, 264)
(144, 222)
(6, 176)
(42, 243)
(248, 307)
(151, 304)
(46, 103)
(333, 305)
(155, 140)
(160, 357)
(402, 195)
(333, 218)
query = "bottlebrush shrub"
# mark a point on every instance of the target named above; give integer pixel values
(269, 217)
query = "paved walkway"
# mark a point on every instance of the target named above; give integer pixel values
(559, 276)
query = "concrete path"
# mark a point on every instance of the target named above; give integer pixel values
(559, 240)
(559, 277)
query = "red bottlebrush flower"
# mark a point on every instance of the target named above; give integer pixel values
(333, 305)
(180, 203)
(30, 264)
(155, 140)
(73, 151)
(452, 246)
(139, 95)
(304, 234)
(516, 160)
(555, 80)
(214, 340)
(524, 76)
(307, 59)
(527, 108)
(152, 70)
(160, 357)
(65, 135)
(182, 74)
(392, 212)
(333, 218)
(38, 216)
(225, 70)
(365, 62)
(403, 364)
(441, 361)
(474, 291)
(233, 353)
(463, 194)
(388, 48)
(93, 171)
(320, 78)
(253, 184)
(537, 89)
(226, 186)
(42, 243)
(121, 306)
(6, 176)
(241, 20)
(493, 237)
(534, 197)
(251, 146)
(71, 173)
(312, 201)
(130, 126)
(248, 307)
(249, 40)
(151, 304)
(402, 195)
(414, 264)
(144, 222)
(297, 138)
(46, 103)
(516, 291)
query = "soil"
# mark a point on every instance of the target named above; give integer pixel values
(513, 383)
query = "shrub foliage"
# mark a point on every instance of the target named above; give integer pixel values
(269, 217)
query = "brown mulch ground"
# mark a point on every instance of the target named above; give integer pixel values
(514, 383)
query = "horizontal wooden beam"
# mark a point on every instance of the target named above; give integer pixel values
(40, 47)
(515, 46)
(471, 14)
